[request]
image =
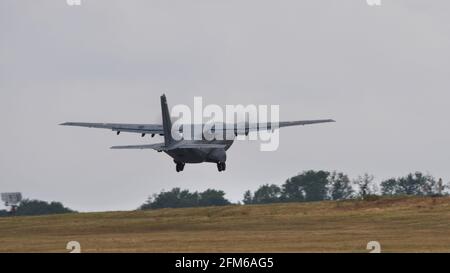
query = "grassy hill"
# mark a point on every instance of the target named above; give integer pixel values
(408, 224)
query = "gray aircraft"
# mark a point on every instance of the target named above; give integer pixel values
(190, 151)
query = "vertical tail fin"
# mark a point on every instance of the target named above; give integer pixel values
(167, 123)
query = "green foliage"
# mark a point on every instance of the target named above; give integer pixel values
(267, 194)
(340, 186)
(441, 188)
(248, 198)
(322, 185)
(366, 186)
(177, 198)
(307, 186)
(412, 184)
(4, 213)
(36, 207)
(212, 197)
(389, 187)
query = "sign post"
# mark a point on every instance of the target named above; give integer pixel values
(11, 199)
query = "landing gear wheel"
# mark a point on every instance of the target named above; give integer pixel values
(221, 166)
(179, 167)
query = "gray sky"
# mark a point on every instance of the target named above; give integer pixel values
(381, 72)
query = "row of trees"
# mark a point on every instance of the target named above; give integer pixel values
(306, 187)
(322, 185)
(177, 198)
(36, 207)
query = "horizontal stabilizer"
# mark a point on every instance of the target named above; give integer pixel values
(178, 145)
(158, 147)
(193, 145)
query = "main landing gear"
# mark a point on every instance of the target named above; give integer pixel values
(221, 166)
(179, 166)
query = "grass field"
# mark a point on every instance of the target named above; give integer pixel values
(400, 224)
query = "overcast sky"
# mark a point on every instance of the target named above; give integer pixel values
(381, 72)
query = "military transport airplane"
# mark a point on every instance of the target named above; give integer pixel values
(190, 151)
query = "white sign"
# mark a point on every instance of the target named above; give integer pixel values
(11, 198)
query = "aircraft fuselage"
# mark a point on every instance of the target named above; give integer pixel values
(200, 155)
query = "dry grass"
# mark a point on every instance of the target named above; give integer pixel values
(399, 224)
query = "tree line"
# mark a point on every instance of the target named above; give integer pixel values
(177, 198)
(312, 186)
(29, 207)
(308, 186)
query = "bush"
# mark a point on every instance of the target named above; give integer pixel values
(36, 207)
(177, 198)
(412, 184)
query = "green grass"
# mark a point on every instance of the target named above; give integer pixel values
(406, 224)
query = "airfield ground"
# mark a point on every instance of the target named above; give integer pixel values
(412, 224)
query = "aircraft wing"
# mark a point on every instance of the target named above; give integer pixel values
(271, 126)
(300, 122)
(251, 127)
(156, 129)
(304, 122)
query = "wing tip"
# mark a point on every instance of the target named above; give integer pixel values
(119, 147)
